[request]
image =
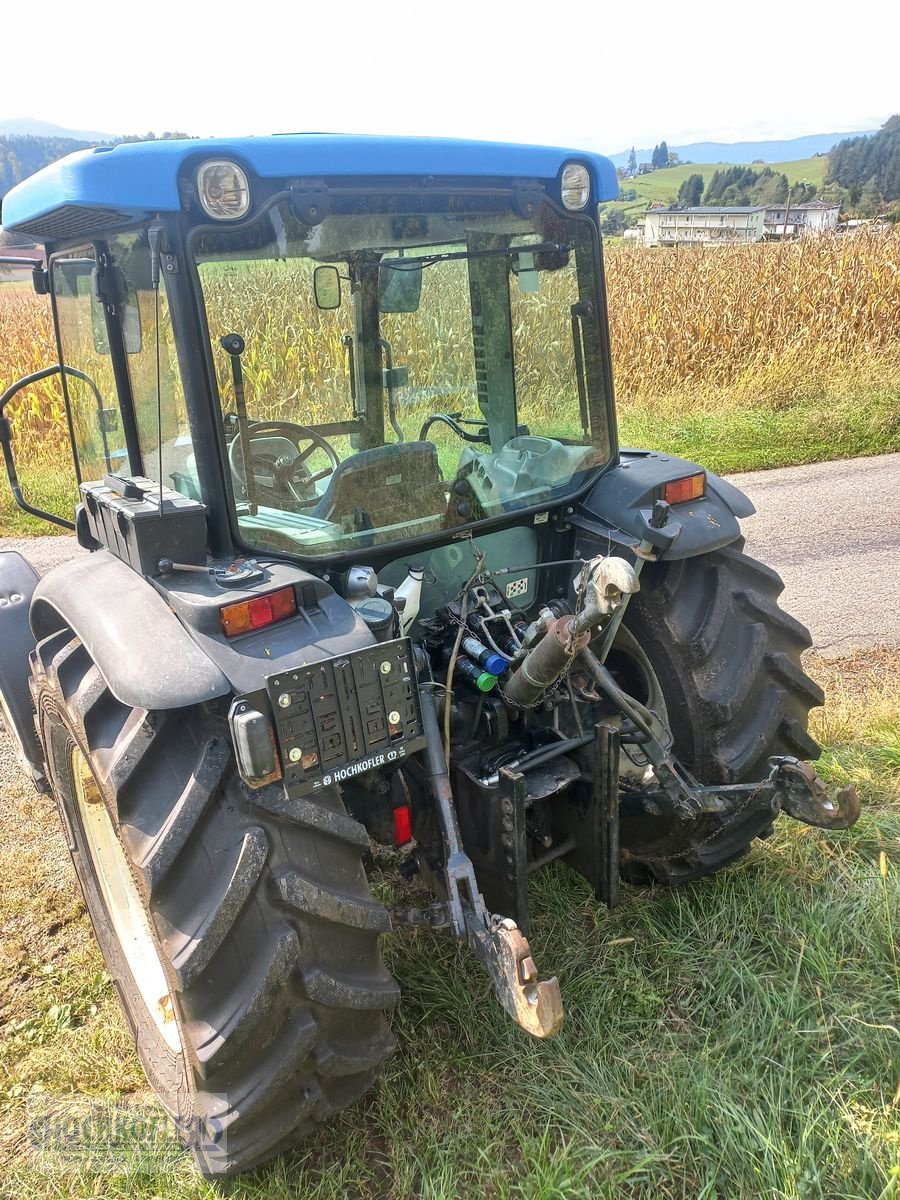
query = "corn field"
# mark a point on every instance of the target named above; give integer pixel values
(762, 324)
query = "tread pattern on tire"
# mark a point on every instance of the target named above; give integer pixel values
(728, 658)
(266, 924)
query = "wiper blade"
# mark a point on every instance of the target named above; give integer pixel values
(427, 260)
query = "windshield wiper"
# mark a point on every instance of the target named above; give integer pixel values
(427, 260)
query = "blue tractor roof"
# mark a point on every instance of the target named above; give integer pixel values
(101, 188)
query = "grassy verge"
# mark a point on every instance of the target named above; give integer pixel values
(734, 1039)
(759, 437)
(48, 486)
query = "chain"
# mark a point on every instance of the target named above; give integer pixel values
(742, 808)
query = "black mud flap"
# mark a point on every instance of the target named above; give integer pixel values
(18, 580)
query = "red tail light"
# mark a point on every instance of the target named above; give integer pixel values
(402, 825)
(258, 612)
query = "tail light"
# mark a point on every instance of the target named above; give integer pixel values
(402, 825)
(258, 612)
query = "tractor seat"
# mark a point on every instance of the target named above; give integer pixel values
(386, 486)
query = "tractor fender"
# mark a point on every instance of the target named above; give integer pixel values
(18, 580)
(325, 625)
(144, 653)
(618, 506)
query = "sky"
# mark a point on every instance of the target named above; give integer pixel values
(583, 73)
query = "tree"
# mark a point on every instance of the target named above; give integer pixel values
(613, 222)
(632, 162)
(770, 188)
(854, 162)
(660, 155)
(674, 158)
(802, 192)
(871, 200)
(691, 191)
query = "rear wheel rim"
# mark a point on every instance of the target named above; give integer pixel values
(634, 672)
(122, 902)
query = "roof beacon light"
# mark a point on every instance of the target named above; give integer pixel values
(223, 189)
(576, 186)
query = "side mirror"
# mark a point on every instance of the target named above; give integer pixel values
(15, 269)
(399, 287)
(327, 287)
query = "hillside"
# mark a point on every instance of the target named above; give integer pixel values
(661, 187)
(744, 153)
(30, 127)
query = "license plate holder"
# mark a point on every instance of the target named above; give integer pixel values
(346, 715)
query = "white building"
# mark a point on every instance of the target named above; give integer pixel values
(816, 216)
(703, 226)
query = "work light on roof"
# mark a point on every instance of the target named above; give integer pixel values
(576, 186)
(223, 189)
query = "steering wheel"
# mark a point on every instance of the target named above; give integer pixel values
(289, 473)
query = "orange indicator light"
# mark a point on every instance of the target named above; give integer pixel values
(692, 487)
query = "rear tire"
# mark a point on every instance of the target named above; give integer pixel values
(259, 912)
(727, 659)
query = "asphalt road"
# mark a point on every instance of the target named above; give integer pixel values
(831, 530)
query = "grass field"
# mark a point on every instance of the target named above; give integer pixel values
(663, 185)
(738, 1039)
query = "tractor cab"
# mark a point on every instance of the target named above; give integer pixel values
(333, 343)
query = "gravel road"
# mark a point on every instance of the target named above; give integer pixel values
(831, 530)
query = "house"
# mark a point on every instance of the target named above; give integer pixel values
(672, 226)
(19, 245)
(815, 216)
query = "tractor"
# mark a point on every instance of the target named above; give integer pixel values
(366, 564)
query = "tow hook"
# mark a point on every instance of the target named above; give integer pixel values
(804, 796)
(503, 950)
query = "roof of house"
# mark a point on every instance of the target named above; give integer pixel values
(712, 208)
(780, 204)
(15, 241)
(110, 185)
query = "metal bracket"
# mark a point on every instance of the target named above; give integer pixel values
(498, 943)
(435, 916)
(594, 827)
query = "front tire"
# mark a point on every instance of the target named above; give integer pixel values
(254, 908)
(727, 660)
